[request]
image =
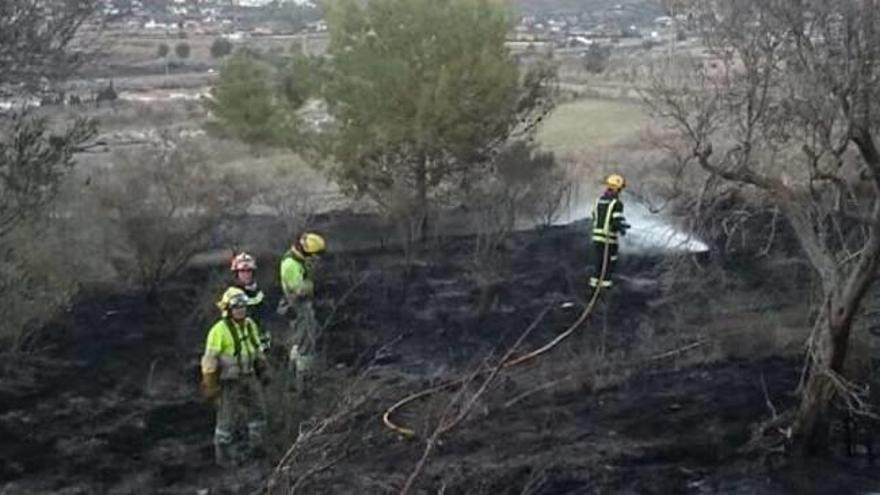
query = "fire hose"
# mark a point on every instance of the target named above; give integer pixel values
(511, 362)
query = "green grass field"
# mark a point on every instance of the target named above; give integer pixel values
(587, 124)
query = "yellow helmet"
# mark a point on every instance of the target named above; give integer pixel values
(232, 298)
(311, 243)
(615, 182)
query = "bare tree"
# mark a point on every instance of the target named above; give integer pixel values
(523, 184)
(785, 100)
(166, 203)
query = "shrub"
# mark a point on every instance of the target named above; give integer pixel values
(165, 203)
(37, 278)
(46, 260)
(182, 50)
(596, 58)
(221, 47)
(526, 185)
(38, 274)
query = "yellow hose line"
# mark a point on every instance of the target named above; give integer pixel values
(410, 433)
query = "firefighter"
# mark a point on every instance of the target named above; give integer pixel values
(608, 225)
(298, 286)
(234, 370)
(243, 268)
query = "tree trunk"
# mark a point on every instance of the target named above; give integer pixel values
(422, 199)
(831, 334)
(813, 421)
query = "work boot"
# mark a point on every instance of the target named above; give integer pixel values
(225, 455)
(256, 439)
(293, 358)
(225, 452)
(303, 377)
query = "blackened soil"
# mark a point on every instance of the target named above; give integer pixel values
(113, 407)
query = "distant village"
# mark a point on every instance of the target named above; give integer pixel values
(273, 23)
(238, 19)
(231, 18)
(571, 30)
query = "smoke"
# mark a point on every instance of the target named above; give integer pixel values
(650, 233)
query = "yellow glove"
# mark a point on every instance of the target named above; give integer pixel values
(210, 385)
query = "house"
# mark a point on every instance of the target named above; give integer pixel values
(663, 21)
(317, 26)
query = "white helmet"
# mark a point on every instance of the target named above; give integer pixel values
(243, 261)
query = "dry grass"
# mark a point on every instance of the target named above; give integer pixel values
(759, 334)
(586, 126)
(271, 166)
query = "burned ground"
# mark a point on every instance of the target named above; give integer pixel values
(111, 404)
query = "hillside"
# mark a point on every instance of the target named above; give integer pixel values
(638, 401)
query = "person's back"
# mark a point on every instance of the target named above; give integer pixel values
(608, 224)
(296, 281)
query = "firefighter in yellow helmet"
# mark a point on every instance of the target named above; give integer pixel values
(608, 225)
(298, 286)
(233, 367)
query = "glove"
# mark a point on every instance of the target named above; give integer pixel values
(308, 290)
(265, 341)
(264, 374)
(283, 306)
(623, 228)
(210, 386)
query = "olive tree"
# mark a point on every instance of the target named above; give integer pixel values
(786, 102)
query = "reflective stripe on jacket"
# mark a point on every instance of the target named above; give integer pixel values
(232, 348)
(607, 219)
(255, 296)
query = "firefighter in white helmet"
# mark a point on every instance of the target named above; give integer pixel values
(243, 267)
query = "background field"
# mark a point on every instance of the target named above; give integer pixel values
(587, 125)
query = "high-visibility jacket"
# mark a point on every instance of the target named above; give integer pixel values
(257, 310)
(608, 219)
(295, 276)
(232, 348)
(256, 299)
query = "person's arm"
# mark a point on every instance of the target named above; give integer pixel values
(618, 220)
(293, 281)
(261, 364)
(211, 363)
(292, 275)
